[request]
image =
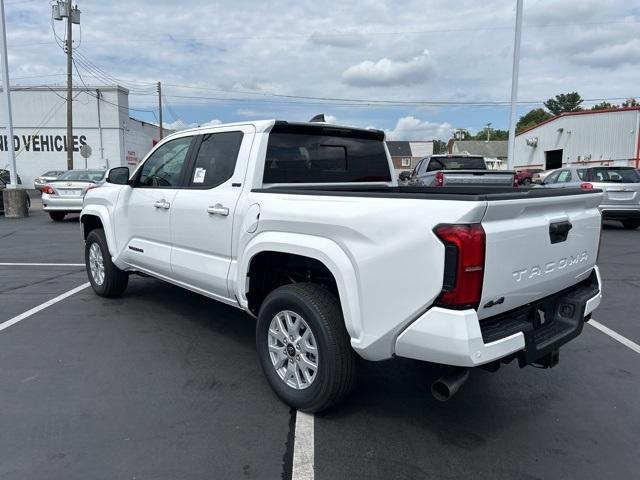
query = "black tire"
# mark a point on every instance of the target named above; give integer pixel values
(115, 280)
(57, 216)
(631, 224)
(336, 361)
(526, 182)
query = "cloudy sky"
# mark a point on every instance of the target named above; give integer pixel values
(414, 68)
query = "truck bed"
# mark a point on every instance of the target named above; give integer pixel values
(473, 193)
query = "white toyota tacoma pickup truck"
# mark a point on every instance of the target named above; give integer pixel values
(304, 226)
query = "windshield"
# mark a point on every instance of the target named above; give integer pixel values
(458, 163)
(82, 175)
(614, 175)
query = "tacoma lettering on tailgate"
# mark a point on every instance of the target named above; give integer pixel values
(550, 267)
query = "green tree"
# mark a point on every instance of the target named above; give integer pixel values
(630, 102)
(439, 146)
(603, 106)
(533, 118)
(496, 134)
(564, 102)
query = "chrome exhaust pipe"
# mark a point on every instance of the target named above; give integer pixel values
(447, 385)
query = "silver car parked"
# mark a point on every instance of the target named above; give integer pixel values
(66, 193)
(46, 177)
(621, 187)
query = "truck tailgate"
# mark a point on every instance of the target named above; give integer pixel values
(536, 247)
(478, 177)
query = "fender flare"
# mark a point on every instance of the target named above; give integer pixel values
(326, 251)
(102, 213)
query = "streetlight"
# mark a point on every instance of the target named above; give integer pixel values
(14, 199)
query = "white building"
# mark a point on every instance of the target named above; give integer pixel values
(590, 138)
(100, 120)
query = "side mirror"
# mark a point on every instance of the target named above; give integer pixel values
(118, 175)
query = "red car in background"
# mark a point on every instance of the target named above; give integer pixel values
(525, 175)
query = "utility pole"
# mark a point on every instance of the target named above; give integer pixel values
(63, 9)
(69, 90)
(458, 133)
(488, 129)
(160, 107)
(514, 85)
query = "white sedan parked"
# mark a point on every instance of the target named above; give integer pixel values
(66, 193)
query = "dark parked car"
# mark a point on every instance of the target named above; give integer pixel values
(3, 185)
(5, 176)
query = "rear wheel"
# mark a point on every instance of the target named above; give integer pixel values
(526, 182)
(57, 216)
(106, 279)
(304, 348)
(631, 224)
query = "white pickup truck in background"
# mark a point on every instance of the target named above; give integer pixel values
(303, 226)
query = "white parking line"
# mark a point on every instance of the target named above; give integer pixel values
(5, 264)
(42, 306)
(615, 335)
(303, 448)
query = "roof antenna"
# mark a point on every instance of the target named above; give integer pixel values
(318, 118)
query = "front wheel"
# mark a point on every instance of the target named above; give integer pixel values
(304, 347)
(106, 279)
(631, 224)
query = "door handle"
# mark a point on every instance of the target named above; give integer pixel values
(162, 204)
(218, 209)
(559, 231)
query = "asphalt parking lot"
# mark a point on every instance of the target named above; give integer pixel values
(165, 384)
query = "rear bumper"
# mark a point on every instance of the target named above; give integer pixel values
(52, 203)
(458, 337)
(619, 212)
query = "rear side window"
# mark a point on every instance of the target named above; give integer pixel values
(216, 159)
(582, 173)
(614, 175)
(323, 157)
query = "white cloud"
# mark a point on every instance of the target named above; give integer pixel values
(366, 49)
(412, 128)
(387, 72)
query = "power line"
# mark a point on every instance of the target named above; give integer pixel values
(120, 107)
(142, 85)
(108, 78)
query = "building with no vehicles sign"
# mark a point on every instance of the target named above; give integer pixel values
(100, 119)
(589, 138)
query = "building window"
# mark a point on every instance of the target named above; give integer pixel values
(406, 162)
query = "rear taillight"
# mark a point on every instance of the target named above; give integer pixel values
(464, 264)
(90, 187)
(515, 181)
(586, 186)
(439, 179)
(48, 189)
